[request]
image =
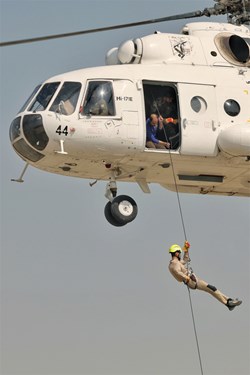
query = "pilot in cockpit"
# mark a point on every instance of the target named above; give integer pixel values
(96, 103)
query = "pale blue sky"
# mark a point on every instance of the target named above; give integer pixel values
(79, 296)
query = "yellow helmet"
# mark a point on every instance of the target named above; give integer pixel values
(175, 248)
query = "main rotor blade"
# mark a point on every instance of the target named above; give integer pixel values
(97, 30)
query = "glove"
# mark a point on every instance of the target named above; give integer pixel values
(169, 119)
(186, 246)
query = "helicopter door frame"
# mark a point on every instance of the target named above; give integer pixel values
(153, 92)
(199, 119)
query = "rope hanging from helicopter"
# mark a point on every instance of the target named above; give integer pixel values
(185, 235)
(188, 263)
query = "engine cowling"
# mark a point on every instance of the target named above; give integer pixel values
(235, 140)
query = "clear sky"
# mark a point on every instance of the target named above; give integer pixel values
(79, 296)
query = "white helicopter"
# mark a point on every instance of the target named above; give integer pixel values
(94, 123)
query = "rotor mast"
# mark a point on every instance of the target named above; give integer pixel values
(237, 11)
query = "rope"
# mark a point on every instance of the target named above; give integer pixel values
(185, 236)
(172, 164)
(178, 196)
(195, 332)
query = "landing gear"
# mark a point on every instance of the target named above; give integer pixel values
(121, 209)
(110, 217)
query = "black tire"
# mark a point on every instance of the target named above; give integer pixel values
(124, 209)
(110, 218)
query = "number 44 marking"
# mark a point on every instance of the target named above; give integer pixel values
(60, 131)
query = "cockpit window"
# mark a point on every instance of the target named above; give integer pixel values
(44, 97)
(29, 98)
(15, 128)
(34, 131)
(66, 100)
(99, 100)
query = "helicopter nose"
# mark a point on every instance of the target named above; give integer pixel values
(28, 136)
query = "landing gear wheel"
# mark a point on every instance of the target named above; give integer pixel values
(124, 209)
(110, 217)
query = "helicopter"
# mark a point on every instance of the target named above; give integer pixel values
(92, 123)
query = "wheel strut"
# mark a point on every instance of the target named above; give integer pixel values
(111, 190)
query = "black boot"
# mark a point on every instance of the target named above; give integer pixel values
(232, 303)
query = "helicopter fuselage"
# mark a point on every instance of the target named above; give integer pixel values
(91, 123)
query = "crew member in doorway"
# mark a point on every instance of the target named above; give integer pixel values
(183, 274)
(167, 106)
(151, 127)
(168, 131)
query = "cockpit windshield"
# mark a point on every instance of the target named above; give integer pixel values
(66, 100)
(44, 97)
(29, 98)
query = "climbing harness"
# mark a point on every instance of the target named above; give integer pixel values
(192, 277)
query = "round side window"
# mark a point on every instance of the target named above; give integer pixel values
(231, 107)
(198, 104)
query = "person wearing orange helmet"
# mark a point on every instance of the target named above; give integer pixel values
(179, 270)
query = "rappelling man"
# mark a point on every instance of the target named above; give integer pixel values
(182, 273)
